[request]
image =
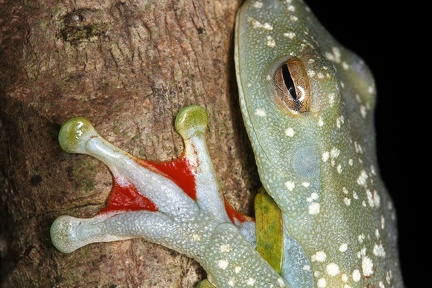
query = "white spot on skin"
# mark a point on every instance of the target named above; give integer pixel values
(379, 251)
(306, 268)
(237, 270)
(334, 153)
(332, 269)
(290, 185)
(370, 198)
(389, 277)
(377, 233)
(367, 266)
(79, 130)
(325, 156)
(345, 66)
(320, 122)
(289, 132)
(290, 35)
(339, 121)
(257, 5)
(311, 73)
(225, 248)
(121, 180)
(321, 283)
(319, 256)
(361, 180)
(291, 8)
(358, 148)
(231, 282)
(334, 56)
(270, 41)
(339, 168)
(355, 196)
(343, 247)
(377, 199)
(305, 184)
(265, 26)
(314, 196)
(363, 111)
(356, 275)
(344, 278)
(260, 112)
(250, 282)
(314, 208)
(347, 201)
(390, 206)
(342, 84)
(223, 264)
(331, 98)
(196, 237)
(372, 168)
(281, 282)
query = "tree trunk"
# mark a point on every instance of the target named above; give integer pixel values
(128, 66)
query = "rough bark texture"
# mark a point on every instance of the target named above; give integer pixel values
(128, 66)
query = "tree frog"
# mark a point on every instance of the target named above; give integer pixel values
(307, 104)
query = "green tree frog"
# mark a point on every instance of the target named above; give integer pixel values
(307, 104)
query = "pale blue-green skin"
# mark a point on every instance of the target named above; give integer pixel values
(319, 166)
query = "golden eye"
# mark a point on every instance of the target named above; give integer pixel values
(292, 90)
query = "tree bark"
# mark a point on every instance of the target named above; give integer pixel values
(128, 66)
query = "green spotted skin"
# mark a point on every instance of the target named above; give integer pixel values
(317, 159)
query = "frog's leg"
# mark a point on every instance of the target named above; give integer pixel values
(177, 204)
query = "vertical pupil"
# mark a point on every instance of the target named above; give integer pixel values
(288, 81)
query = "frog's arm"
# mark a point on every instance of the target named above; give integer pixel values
(177, 204)
(307, 104)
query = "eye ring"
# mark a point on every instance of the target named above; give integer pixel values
(292, 88)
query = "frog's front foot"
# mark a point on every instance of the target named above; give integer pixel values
(177, 204)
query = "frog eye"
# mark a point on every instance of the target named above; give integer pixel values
(292, 90)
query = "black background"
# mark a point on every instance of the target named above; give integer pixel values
(391, 39)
